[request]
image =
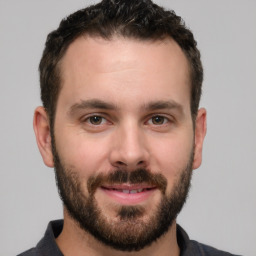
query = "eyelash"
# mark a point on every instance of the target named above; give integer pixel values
(89, 119)
(149, 120)
(164, 118)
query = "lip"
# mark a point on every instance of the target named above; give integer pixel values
(125, 193)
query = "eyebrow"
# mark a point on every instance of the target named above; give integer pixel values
(168, 104)
(99, 104)
(92, 103)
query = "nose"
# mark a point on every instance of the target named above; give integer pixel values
(129, 148)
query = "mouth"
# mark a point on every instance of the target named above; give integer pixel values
(128, 194)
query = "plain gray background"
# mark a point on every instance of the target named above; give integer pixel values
(221, 209)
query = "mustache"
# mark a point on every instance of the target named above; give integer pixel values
(120, 176)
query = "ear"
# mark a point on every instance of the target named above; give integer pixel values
(43, 136)
(200, 131)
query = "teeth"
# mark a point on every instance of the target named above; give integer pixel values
(134, 191)
(127, 191)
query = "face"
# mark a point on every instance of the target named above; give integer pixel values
(124, 144)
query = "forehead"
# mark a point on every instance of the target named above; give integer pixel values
(123, 68)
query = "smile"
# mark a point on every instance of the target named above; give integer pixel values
(130, 191)
(128, 194)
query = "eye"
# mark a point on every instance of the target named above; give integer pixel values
(158, 120)
(96, 120)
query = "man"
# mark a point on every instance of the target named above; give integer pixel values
(120, 86)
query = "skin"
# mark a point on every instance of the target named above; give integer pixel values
(130, 76)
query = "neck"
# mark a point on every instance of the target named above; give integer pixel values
(76, 242)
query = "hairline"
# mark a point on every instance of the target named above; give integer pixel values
(114, 36)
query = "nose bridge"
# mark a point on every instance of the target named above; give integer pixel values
(130, 149)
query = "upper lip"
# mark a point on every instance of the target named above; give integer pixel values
(128, 186)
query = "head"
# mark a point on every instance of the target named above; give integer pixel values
(121, 84)
(140, 20)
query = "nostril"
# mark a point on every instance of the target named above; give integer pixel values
(121, 163)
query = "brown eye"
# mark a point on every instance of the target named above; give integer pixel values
(96, 120)
(158, 120)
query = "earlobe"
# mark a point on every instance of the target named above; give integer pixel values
(43, 136)
(200, 132)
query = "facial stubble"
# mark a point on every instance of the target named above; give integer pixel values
(133, 229)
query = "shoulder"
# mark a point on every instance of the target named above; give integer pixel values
(47, 245)
(193, 248)
(206, 250)
(30, 252)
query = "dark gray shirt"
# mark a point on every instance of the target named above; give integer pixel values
(48, 247)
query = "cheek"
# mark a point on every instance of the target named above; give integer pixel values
(82, 153)
(170, 156)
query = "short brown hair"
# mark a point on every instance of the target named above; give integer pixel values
(138, 19)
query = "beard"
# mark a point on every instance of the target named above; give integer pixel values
(134, 228)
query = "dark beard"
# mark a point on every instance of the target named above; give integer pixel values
(130, 232)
